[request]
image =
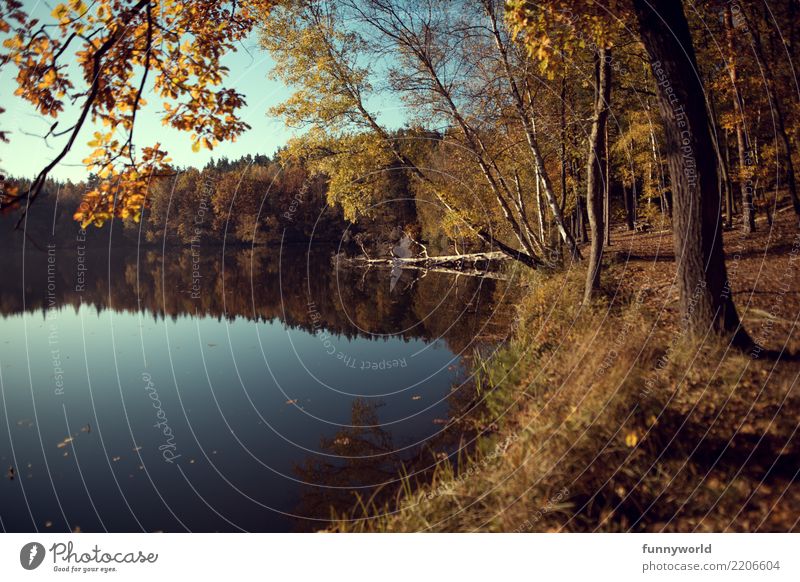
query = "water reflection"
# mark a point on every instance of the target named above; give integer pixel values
(246, 389)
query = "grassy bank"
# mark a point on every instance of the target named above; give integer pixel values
(605, 418)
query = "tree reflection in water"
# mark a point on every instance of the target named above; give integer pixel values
(362, 461)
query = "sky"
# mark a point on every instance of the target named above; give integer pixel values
(27, 153)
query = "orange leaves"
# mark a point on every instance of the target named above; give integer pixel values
(61, 13)
(125, 52)
(122, 193)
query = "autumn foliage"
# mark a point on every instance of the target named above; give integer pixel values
(168, 48)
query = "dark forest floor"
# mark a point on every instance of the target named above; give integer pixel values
(758, 265)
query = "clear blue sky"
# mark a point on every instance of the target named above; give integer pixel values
(26, 153)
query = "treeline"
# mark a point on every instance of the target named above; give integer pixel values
(250, 200)
(257, 200)
(254, 199)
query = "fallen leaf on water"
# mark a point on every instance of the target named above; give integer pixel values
(64, 443)
(416, 397)
(292, 401)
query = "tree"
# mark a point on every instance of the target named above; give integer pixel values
(527, 119)
(598, 152)
(745, 181)
(324, 60)
(776, 105)
(706, 302)
(122, 51)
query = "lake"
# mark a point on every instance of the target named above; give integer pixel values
(242, 389)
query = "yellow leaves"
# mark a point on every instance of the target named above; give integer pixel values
(13, 43)
(122, 191)
(48, 79)
(204, 142)
(631, 439)
(60, 12)
(78, 6)
(99, 139)
(92, 158)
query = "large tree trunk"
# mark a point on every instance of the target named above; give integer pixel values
(595, 187)
(563, 143)
(745, 185)
(705, 297)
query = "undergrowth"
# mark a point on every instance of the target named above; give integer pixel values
(598, 418)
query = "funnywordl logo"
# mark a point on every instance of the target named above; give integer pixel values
(31, 555)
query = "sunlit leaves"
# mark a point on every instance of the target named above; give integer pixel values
(555, 29)
(168, 48)
(314, 55)
(354, 164)
(121, 192)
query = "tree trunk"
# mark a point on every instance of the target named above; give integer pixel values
(745, 187)
(705, 296)
(595, 187)
(539, 202)
(732, 199)
(563, 143)
(724, 181)
(606, 188)
(627, 196)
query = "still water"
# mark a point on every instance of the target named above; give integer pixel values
(256, 390)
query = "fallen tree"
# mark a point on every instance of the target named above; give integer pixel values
(475, 264)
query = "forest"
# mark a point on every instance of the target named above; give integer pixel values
(634, 163)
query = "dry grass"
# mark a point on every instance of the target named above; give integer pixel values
(603, 419)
